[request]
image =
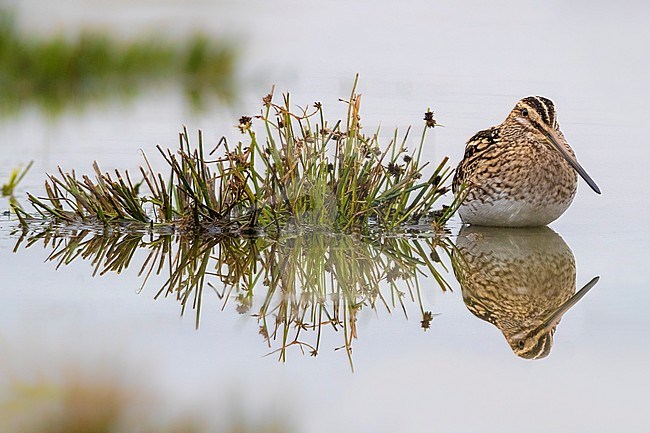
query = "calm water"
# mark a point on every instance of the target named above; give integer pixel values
(468, 61)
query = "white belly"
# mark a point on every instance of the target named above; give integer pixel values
(506, 212)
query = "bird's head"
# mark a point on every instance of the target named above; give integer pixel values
(536, 342)
(537, 115)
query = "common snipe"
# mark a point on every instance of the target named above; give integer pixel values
(521, 172)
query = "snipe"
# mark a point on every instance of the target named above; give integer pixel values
(521, 172)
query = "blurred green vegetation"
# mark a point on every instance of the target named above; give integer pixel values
(107, 401)
(60, 72)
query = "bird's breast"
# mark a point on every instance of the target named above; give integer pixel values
(505, 211)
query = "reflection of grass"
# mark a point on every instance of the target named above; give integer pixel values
(302, 170)
(298, 286)
(61, 71)
(317, 281)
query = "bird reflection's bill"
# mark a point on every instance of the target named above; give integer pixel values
(550, 136)
(555, 317)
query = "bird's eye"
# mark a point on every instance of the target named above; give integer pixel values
(524, 112)
(521, 343)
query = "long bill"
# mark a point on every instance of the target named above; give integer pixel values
(554, 318)
(571, 160)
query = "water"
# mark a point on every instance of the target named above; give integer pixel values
(468, 61)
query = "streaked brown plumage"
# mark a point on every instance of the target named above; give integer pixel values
(522, 280)
(521, 172)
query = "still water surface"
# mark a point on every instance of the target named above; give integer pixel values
(468, 61)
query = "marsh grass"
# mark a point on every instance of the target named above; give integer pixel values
(62, 71)
(299, 170)
(299, 287)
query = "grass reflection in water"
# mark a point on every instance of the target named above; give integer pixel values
(298, 287)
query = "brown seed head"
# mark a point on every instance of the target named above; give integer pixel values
(245, 123)
(429, 120)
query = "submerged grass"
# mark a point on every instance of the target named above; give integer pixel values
(61, 71)
(300, 170)
(299, 287)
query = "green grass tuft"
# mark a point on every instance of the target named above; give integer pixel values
(299, 170)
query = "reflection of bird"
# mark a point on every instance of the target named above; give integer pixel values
(520, 280)
(520, 173)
